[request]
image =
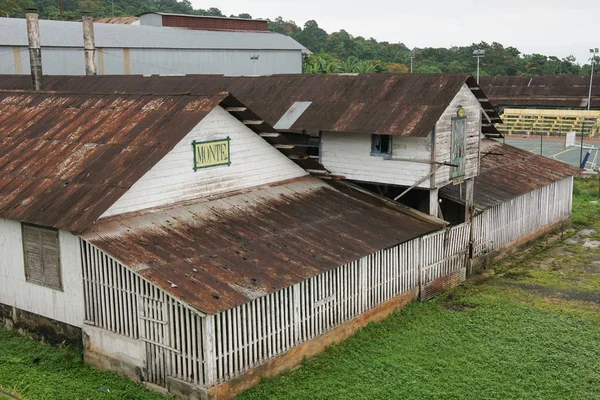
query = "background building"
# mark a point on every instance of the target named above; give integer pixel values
(189, 45)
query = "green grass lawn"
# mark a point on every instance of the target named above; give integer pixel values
(531, 331)
(32, 370)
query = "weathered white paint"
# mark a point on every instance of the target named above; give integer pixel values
(443, 131)
(115, 346)
(124, 304)
(254, 162)
(349, 155)
(64, 306)
(434, 204)
(498, 226)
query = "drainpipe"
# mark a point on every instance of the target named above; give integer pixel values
(35, 51)
(89, 45)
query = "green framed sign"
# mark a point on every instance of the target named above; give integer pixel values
(211, 153)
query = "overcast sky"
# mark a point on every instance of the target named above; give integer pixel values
(549, 27)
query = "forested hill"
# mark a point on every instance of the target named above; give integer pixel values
(334, 52)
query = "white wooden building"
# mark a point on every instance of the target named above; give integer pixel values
(185, 237)
(189, 258)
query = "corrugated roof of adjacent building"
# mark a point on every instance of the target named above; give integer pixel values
(117, 20)
(219, 254)
(389, 104)
(13, 32)
(507, 173)
(541, 91)
(66, 158)
(202, 16)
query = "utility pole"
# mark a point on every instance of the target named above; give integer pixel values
(478, 53)
(412, 55)
(581, 146)
(593, 52)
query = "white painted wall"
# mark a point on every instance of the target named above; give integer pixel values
(349, 154)
(254, 162)
(443, 132)
(64, 306)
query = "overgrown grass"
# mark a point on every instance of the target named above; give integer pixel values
(530, 332)
(586, 205)
(37, 371)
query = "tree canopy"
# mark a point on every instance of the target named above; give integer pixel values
(333, 52)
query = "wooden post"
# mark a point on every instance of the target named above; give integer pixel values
(433, 202)
(469, 186)
(89, 43)
(35, 51)
(210, 361)
(469, 209)
(296, 320)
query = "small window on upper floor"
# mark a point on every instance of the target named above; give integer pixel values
(42, 256)
(381, 145)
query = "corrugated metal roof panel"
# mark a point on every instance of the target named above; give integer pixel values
(13, 32)
(66, 158)
(390, 104)
(508, 172)
(225, 252)
(541, 91)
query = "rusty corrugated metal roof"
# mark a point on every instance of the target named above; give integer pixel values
(542, 91)
(117, 20)
(219, 254)
(508, 172)
(390, 104)
(66, 158)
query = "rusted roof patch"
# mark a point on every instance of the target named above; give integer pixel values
(508, 172)
(387, 104)
(223, 253)
(66, 158)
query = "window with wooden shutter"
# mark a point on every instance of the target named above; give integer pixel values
(42, 256)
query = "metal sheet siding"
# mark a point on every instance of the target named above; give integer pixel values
(13, 32)
(213, 23)
(221, 62)
(254, 162)
(151, 19)
(65, 306)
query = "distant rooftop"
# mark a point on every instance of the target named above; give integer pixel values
(201, 16)
(13, 32)
(202, 22)
(118, 20)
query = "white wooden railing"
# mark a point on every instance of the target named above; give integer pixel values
(501, 225)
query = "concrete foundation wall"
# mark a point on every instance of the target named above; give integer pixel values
(38, 327)
(108, 350)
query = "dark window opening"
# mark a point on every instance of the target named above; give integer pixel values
(381, 145)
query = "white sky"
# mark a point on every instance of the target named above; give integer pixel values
(549, 27)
